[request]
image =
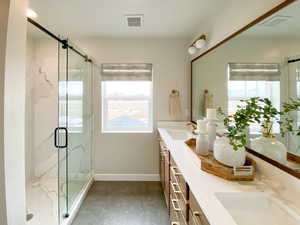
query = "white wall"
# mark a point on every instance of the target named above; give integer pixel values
(14, 113)
(232, 19)
(138, 153)
(4, 7)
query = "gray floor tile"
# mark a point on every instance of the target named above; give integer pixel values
(123, 203)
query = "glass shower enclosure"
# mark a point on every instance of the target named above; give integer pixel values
(59, 99)
(73, 134)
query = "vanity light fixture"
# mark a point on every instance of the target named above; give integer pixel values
(192, 50)
(197, 44)
(31, 14)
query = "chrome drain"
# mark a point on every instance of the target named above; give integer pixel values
(29, 216)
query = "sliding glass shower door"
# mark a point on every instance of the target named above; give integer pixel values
(74, 128)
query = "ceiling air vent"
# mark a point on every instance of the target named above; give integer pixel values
(134, 20)
(274, 21)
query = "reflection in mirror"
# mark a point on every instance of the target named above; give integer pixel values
(263, 61)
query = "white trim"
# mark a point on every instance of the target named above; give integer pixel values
(78, 202)
(126, 177)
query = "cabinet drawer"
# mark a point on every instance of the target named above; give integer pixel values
(197, 214)
(192, 219)
(175, 189)
(177, 177)
(176, 214)
(167, 185)
(162, 170)
(167, 178)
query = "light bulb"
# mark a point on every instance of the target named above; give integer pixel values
(31, 14)
(192, 50)
(200, 43)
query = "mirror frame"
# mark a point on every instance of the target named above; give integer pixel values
(291, 156)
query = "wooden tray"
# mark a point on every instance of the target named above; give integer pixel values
(210, 165)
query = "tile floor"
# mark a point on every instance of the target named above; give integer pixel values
(123, 203)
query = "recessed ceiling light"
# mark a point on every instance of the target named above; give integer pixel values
(31, 14)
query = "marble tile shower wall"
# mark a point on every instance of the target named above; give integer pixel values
(42, 101)
(42, 109)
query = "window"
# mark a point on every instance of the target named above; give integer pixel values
(253, 80)
(74, 105)
(127, 98)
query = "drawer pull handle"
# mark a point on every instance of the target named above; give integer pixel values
(175, 223)
(196, 213)
(174, 189)
(195, 220)
(174, 171)
(174, 202)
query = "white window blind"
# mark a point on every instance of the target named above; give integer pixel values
(254, 71)
(126, 71)
(127, 98)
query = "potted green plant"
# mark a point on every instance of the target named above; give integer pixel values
(230, 149)
(253, 110)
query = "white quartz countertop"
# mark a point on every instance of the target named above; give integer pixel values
(204, 185)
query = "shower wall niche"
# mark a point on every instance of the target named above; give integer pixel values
(59, 98)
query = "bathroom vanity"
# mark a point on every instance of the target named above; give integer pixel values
(195, 197)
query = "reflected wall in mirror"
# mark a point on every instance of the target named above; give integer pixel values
(263, 61)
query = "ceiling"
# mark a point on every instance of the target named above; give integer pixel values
(289, 28)
(106, 18)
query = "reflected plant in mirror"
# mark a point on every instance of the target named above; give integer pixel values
(287, 123)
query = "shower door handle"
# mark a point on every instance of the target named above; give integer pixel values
(56, 140)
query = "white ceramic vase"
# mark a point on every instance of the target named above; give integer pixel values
(270, 147)
(225, 154)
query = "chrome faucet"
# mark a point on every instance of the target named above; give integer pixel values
(193, 126)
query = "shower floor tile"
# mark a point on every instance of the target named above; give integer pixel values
(123, 203)
(42, 202)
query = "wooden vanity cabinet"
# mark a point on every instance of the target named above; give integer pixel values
(164, 170)
(182, 205)
(196, 215)
(178, 197)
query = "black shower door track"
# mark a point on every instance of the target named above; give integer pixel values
(64, 42)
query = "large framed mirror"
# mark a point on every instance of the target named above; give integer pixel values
(261, 60)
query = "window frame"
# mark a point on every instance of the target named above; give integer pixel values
(104, 111)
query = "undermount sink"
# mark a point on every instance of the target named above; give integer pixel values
(178, 134)
(257, 208)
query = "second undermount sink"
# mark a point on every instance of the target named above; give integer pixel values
(178, 134)
(256, 208)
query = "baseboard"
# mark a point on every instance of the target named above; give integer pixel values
(78, 203)
(126, 177)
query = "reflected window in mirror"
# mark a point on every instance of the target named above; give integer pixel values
(247, 80)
